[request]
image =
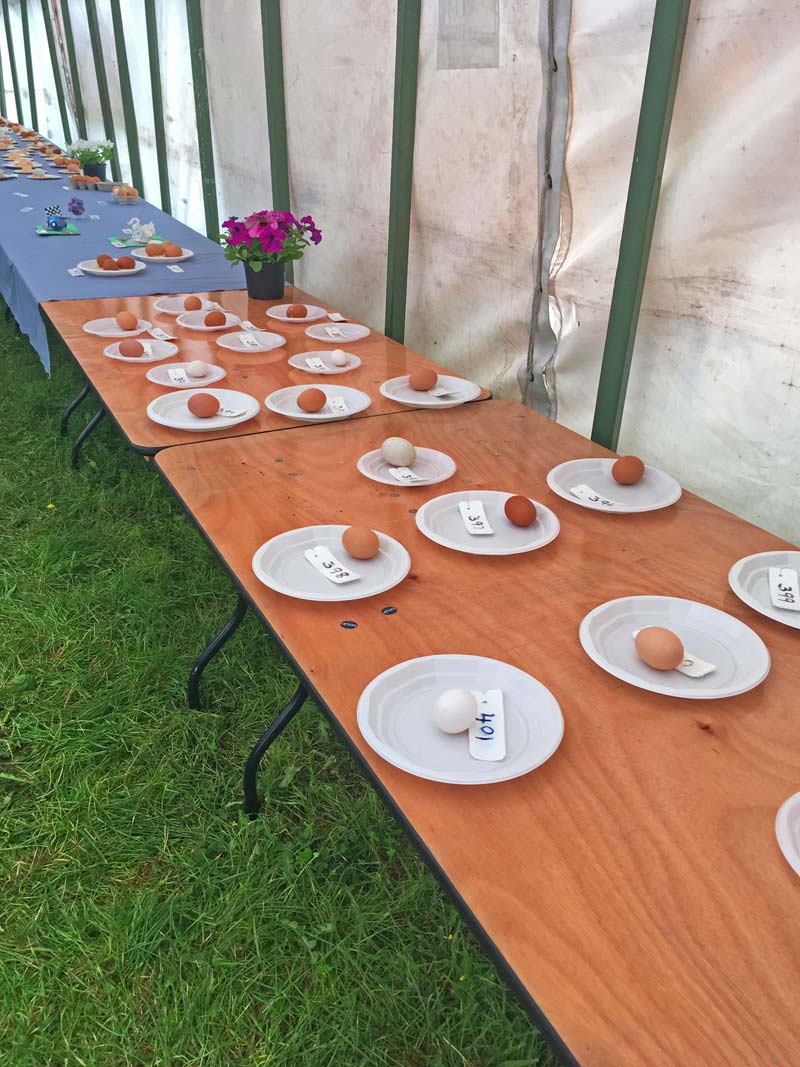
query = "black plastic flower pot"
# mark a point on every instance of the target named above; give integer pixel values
(267, 283)
(95, 170)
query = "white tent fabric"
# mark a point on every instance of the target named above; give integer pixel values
(714, 394)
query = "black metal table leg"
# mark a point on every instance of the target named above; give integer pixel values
(90, 425)
(202, 661)
(72, 406)
(252, 801)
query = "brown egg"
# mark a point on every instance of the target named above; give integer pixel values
(131, 349)
(360, 542)
(660, 649)
(215, 318)
(193, 303)
(172, 250)
(311, 400)
(154, 249)
(110, 264)
(296, 311)
(204, 405)
(126, 262)
(102, 258)
(627, 470)
(422, 380)
(520, 511)
(126, 320)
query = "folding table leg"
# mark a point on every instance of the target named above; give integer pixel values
(72, 406)
(90, 425)
(252, 801)
(205, 657)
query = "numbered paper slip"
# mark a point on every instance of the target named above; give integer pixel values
(784, 588)
(474, 518)
(326, 563)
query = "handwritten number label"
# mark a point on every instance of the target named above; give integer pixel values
(784, 588)
(585, 492)
(487, 734)
(328, 565)
(248, 341)
(440, 390)
(333, 331)
(175, 268)
(474, 518)
(403, 474)
(315, 363)
(76, 272)
(160, 335)
(692, 666)
(177, 375)
(338, 405)
(231, 413)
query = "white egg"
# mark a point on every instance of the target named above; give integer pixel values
(197, 369)
(455, 710)
(398, 452)
(339, 358)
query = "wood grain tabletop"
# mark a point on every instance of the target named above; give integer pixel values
(126, 392)
(633, 883)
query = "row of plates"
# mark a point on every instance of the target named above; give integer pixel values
(348, 332)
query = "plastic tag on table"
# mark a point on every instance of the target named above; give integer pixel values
(326, 563)
(784, 588)
(474, 518)
(487, 734)
(161, 335)
(585, 492)
(76, 272)
(246, 324)
(94, 217)
(175, 268)
(334, 316)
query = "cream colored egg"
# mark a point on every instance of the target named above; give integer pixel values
(398, 452)
(455, 710)
(339, 358)
(197, 369)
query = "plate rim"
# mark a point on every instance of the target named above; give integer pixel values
(664, 690)
(782, 831)
(629, 509)
(407, 485)
(297, 322)
(336, 340)
(176, 385)
(327, 373)
(314, 416)
(123, 334)
(138, 253)
(182, 429)
(138, 359)
(377, 746)
(208, 329)
(751, 601)
(99, 272)
(249, 351)
(283, 590)
(457, 548)
(435, 405)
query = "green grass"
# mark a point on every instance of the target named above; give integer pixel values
(143, 920)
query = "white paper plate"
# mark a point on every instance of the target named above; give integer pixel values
(440, 520)
(654, 490)
(787, 830)
(281, 565)
(350, 331)
(396, 720)
(400, 391)
(749, 579)
(170, 409)
(284, 402)
(158, 349)
(266, 340)
(89, 266)
(140, 253)
(312, 312)
(431, 466)
(298, 361)
(43, 177)
(109, 328)
(193, 320)
(160, 376)
(739, 654)
(173, 305)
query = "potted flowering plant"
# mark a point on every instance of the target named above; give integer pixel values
(92, 156)
(264, 242)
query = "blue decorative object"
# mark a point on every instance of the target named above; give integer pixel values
(76, 206)
(55, 220)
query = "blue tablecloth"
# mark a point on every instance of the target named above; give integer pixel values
(34, 269)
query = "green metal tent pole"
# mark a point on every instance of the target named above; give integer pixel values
(126, 92)
(80, 113)
(158, 104)
(276, 108)
(2, 89)
(652, 135)
(51, 47)
(102, 84)
(406, 64)
(12, 61)
(194, 19)
(26, 43)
